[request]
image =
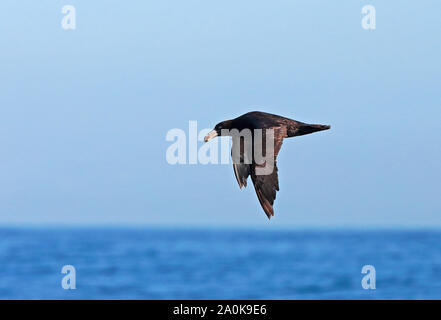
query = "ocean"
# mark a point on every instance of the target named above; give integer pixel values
(137, 263)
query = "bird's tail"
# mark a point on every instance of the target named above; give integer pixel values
(300, 128)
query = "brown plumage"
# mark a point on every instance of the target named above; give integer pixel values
(266, 185)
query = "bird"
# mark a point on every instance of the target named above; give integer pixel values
(245, 162)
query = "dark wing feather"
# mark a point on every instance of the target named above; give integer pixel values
(266, 186)
(241, 170)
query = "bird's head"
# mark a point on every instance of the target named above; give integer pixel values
(217, 131)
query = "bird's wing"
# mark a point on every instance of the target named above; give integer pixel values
(241, 170)
(279, 134)
(266, 186)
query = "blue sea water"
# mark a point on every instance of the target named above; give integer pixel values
(218, 264)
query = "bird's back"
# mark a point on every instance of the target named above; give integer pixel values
(262, 120)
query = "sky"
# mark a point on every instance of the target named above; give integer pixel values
(84, 113)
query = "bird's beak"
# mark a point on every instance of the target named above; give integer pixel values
(210, 135)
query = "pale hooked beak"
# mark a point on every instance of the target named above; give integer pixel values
(210, 135)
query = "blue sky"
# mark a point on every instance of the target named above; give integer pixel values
(84, 113)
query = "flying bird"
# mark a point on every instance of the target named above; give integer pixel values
(245, 163)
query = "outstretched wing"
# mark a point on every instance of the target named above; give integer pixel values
(266, 186)
(241, 169)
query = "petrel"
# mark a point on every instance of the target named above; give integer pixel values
(264, 129)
